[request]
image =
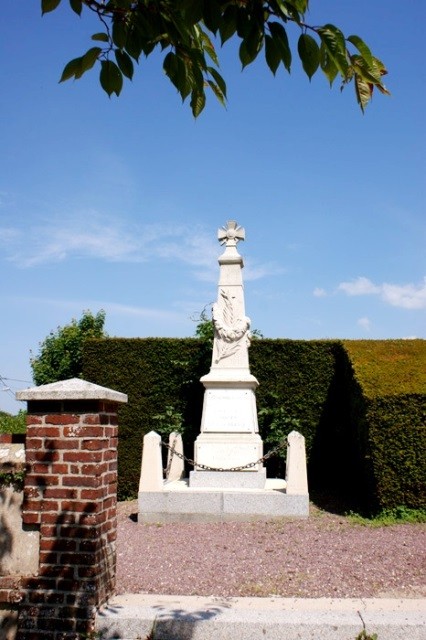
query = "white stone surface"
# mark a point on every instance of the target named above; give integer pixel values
(151, 478)
(229, 410)
(296, 472)
(229, 479)
(72, 389)
(226, 451)
(188, 504)
(13, 453)
(133, 616)
(20, 546)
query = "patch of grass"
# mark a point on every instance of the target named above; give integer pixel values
(387, 517)
(364, 636)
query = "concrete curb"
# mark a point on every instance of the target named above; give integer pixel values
(133, 616)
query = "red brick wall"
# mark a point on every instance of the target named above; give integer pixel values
(70, 493)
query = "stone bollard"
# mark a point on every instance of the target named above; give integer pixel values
(151, 478)
(296, 474)
(70, 495)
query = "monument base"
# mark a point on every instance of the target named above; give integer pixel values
(228, 450)
(228, 479)
(178, 502)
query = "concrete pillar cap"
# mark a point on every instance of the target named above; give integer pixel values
(72, 389)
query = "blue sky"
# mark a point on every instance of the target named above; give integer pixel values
(114, 204)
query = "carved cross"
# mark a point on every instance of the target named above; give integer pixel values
(231, 234)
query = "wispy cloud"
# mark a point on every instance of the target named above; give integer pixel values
(9, 236)
(90, 235)
(79, 236)
(111, 308)
(406, 296)
(255, 271)
(139, 312)
(359, 287)
(319, 292)
(365, 323)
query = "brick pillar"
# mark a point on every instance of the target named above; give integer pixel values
(70, 493)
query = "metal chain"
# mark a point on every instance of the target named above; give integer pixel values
(172, 452)
(205, 467)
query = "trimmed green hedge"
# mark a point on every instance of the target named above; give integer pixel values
(386, 411)
(155, 373)
(359, 404)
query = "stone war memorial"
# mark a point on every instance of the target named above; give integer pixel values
(229, 480)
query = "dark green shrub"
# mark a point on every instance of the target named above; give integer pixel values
(386, 386)
(13, 424)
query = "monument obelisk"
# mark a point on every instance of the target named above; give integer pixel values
(229, 437)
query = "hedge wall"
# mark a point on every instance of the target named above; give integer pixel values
(345, 398)
(155, 373)
(386, 387)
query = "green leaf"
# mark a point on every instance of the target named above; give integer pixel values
(245, 56)
(48, 5)
(176, 69)
(209, 48)
(218, 79)
(193, 10)
(88, 60)
(327, 63)
(71, 69)
(125, 63)
(369, 75)
(216, 90)
(211, 15)
(300, 5)
(195, 73)
(362, 48)
(309, 54)
(170, 66)
(289, 11)
(119, 33)
(228, 24)
(76, 6)
(101, 37)
(334, 41)
(253, 42)
(111, 78)
(198, 102)
(363, 91)
(135, 44)
(272, 54)
(183, 79)
(147, 48)
(243, 22)
(363, 69)
(279, 36)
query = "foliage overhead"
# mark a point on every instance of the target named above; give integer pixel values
(61, 352)
(186, 30)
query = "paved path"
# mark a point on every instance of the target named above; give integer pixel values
(132, 617)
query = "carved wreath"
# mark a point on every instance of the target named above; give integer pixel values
(230, 331)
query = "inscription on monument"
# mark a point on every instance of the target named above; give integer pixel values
(227, 457)
(228, 410)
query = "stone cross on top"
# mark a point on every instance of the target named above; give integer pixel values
(231, 234)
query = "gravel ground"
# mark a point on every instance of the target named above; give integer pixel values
(321, 556)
